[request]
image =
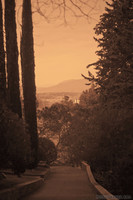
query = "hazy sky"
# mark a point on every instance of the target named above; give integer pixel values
(63, 52)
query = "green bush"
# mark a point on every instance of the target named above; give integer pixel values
(47, 150)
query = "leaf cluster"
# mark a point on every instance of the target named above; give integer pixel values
(15, 149)
(47, 150)
(115, 64)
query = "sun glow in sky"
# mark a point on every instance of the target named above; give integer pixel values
(63, 52)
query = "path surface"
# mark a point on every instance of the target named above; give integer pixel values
(65, 183)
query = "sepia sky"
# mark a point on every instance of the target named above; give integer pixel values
(63, 52)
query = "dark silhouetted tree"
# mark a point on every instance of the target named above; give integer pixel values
(114, 82)
(54, 120)
(2, 58)
(28, 76)
(12, 58)
(15, 149)
(89, 98)
(115, 65)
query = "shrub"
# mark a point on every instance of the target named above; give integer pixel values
(47, 150)
(14, 143)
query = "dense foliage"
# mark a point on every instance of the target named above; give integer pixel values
(15, 150)
(80, 137)
(54, 119)
(115, 65)
(114, 85)
(47, 150)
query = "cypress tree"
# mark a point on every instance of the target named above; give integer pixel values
(28, 77)
(115, 64)
(12, 58)
(2, 58)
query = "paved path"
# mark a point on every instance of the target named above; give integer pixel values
(65, 183)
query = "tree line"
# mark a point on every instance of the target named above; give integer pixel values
(12, 125)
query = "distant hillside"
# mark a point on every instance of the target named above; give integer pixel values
(73, 86)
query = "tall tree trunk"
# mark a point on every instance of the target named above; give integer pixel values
(2, 59)
(12, 58)
(28, 76)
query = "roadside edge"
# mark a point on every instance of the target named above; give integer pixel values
(107, 195)
(23, 189)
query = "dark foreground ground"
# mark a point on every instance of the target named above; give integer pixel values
(65, 183)
(13, 180)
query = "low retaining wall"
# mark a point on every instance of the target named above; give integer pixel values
(21, 190)
(107, 195)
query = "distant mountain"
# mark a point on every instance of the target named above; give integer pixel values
(74, 86)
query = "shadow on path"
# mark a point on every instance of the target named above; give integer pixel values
(65, 183)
